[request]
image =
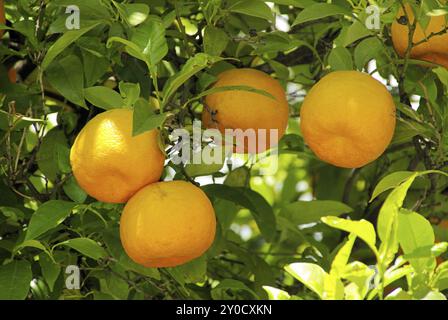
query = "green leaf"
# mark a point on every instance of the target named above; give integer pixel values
(310, 274)
(87, 247)
(276, 294)
(136, 13)
(219, 292)
(415, 232)
(131, 48)
(53, 150)
(215, 40)
(95, 67)
(18, 122)
(387, 224)
(15, 278)
(50, 270)
(74, 191)
(191, 67)
(357, 30)
(366, 50)
(363, 229)
(48, 216)
(398, 294)
(319, 11)
(32, 244)
(295, 3)
(440, 279)
(360, 276)
(303, 212)
(333, 287)
(195, 270)
(341, 259)
(389, 211)
(427, 252)
(104, 98)
(150, 38)
(255, 8)
(340, 58)
(249, 199)
(434, 295)
(390, 181)
(145, 119)
(130, 92)
(66, 76)
(63, 42)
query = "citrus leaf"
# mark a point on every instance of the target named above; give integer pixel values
(303, 212)
(87, 247)
(15, 278)
(63, 42)
(48, 216)
(310, 274)
(319, 11)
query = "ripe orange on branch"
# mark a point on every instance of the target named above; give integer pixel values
(430, 43)
(239, 109)
(167, 224)
(109, 163)
(348, 119)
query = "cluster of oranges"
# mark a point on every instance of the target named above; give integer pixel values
(169, 223)
(347, 119)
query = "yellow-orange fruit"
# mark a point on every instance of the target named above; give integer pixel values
(167, 224)
(348, 119)
(244, 110)
(109, 163)
(430, 48)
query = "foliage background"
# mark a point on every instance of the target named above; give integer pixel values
(158, 57)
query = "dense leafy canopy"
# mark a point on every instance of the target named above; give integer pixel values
(308, 231)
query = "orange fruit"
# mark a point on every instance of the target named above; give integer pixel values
(167, 224)
(244, 110)
(2, 16)
(348, 119)
(434, 49)
(109, 163)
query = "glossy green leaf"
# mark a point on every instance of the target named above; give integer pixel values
(255, 8)
(310, 274)
(390, 181)
(363, 229)
(15, 278)
(249, 199)
(87, 247)
(303, 212)
(104, 98)
(276, 294)
(48, 216)
(63, 42)
(319, 11)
